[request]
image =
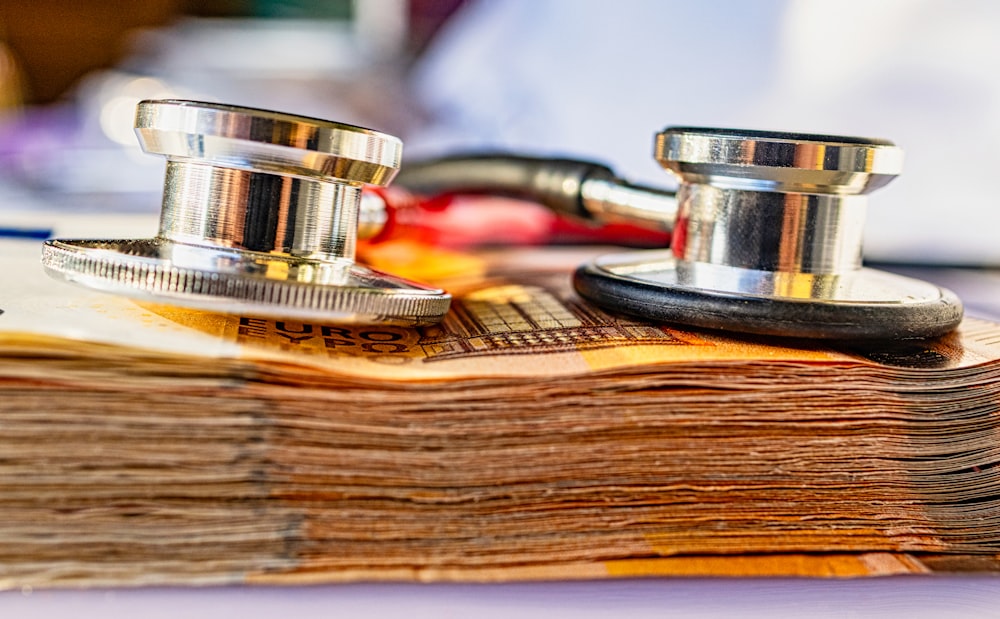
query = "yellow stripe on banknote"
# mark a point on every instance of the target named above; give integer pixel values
(803, 565)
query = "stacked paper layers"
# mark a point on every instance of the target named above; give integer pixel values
(530, 436)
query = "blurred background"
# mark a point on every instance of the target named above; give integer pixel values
(580, 78)
(72, 73)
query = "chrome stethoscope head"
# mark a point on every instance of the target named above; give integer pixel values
(261, 211)
(259, 216)
(767, 239)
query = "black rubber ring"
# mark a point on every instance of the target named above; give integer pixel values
(776, 317)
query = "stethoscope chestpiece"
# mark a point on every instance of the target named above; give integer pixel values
(259, 217)
(768, 240)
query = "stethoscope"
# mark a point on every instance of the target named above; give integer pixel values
(261, 213)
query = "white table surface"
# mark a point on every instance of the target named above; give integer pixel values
(884, 598)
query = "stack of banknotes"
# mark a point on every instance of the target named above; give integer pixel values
(529, 436)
